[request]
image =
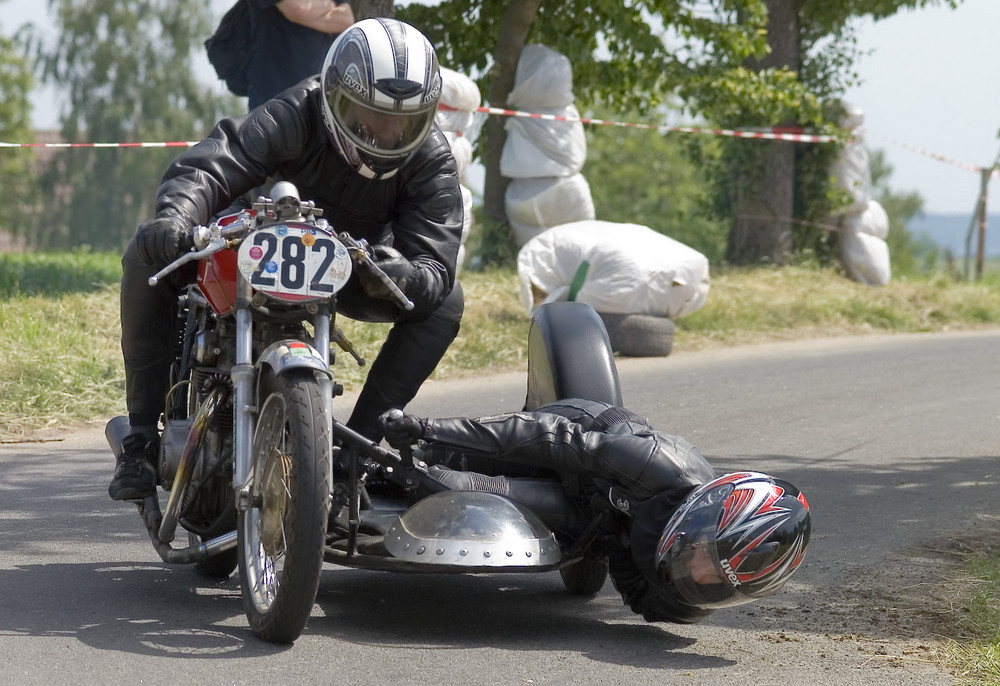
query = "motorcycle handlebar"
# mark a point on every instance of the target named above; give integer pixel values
(214, 246)
(215, 238)
(361, 256)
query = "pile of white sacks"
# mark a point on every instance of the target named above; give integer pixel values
(543, 158)
(619, 269)
(863, 223)
(460, 97)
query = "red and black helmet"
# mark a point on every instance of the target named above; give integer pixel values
(733, 540)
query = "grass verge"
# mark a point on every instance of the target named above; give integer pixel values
(59, 327)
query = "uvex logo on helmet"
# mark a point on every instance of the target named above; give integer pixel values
(730, 574)
(434, 93)
(354, 84)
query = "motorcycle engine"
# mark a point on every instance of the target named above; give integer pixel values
(175, 433)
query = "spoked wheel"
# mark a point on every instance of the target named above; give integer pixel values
(281, 535)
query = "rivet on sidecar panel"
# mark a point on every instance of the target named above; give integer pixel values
(420, 550)
(439, 551)
(463, 552)
(486, 554)
(510, 553)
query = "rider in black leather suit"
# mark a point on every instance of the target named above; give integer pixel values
(636, 475)
(404, 201)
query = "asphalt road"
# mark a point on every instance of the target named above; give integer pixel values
(895, 441)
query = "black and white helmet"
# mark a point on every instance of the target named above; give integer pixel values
(381, 86)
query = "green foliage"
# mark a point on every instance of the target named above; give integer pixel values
(712, 56)
(16, 82)
(63, 360)
(621, 54)
(125, 69)
(645, 177)
(50, 274)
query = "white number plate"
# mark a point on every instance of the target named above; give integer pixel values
(294, 262)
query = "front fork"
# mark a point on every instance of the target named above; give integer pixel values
(245, 376)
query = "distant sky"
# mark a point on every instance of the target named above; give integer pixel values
(931, 82)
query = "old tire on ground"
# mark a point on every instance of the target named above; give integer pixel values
(639, 335)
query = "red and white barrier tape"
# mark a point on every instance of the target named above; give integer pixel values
(167, 144)
(793, 134)
(776, 133)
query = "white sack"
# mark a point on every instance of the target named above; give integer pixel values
(854, 116)
(631, 269)
(453, 121)
(460, 92)
(543, 79)
(467, 215)
(461, 148)
(548, 202)
(537, 147)
(865, 258)
(466, 225)
(874, 221)
(852, 173)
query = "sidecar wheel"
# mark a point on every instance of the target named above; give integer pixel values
(280, 537)
(570, 356)
(585, 577)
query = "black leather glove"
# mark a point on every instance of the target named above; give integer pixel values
(395, 266)
(159, 241)
(400, 430)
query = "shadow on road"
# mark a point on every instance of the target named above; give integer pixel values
(865, 518)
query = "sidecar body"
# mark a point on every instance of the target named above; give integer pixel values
(569, 355)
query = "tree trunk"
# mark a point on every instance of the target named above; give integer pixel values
(363, 9)
(517, 19)
(761, 230)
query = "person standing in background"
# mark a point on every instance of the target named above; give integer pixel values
(290, 40)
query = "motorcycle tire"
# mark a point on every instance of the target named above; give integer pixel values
(280, 537)
(585, 577)
(570, 356)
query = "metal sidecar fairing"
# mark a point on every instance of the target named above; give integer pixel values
(472, 529)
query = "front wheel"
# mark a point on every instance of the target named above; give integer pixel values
(281, 535)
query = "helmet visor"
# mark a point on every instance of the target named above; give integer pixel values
(380, 133)
(688, 556)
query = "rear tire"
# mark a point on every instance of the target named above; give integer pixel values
(281, 535)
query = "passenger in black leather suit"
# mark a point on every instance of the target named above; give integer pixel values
(368, 153)
(680, 542)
